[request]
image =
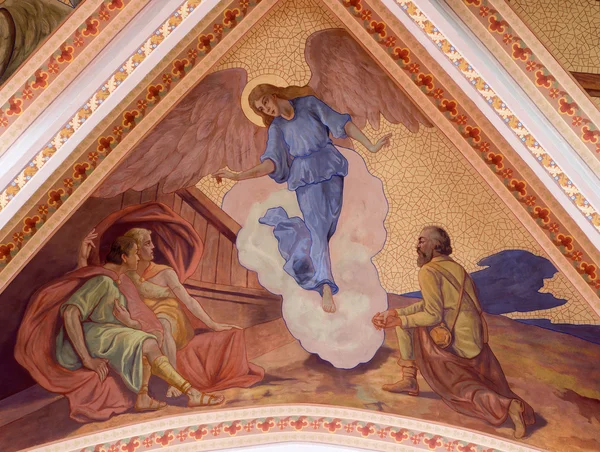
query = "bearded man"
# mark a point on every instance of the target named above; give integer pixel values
(445, 337)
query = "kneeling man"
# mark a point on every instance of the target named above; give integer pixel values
(445, 337)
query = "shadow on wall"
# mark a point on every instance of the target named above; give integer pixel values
(511, 283)
(24, 25)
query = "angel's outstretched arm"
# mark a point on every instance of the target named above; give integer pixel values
(355, 133)
(263, 169)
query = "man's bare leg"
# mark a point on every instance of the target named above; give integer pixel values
(163, 369)
(328, 303)
(170, 350)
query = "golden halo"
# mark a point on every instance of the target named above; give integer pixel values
(271, 79)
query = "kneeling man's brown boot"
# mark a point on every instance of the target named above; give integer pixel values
(408, 384)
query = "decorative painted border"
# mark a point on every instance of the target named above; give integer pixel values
(85, 112)
(477, 139)
(49, 71)
(503, 111)
(121, 127)
(542, 77)
(222, 429)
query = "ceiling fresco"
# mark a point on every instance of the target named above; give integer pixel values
(403, 279)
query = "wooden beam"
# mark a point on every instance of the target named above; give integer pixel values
(589, 82)
(222, 289)
(213, 213)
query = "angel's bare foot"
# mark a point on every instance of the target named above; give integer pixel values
(173, 392)
(328, 303)
(198, 398)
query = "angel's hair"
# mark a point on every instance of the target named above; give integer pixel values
(287, 93)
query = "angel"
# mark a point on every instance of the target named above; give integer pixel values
(192, 142)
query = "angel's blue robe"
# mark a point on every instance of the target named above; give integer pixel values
(307, 160)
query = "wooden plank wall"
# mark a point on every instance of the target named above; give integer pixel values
(220, 264)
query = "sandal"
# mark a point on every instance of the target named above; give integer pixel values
(155, 405)
(213, 400)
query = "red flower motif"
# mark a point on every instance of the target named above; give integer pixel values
(165, 439)
(461, 120)
(316, 425)
(16, 107)
(484, 11)
(404, 55)
(27, 94)
(43, 209)
(531, 66)
(377, 28)
(553, 228)
(93, 156)
(434, 442)
(230, 17)
(55, 197)
(365, 14)
(233, 429)
(91, 28)
(299, 424)
(425, 80)
(18, 237)
(390, 41)
(565, 240)
(3, 121)
(416, 439)
(473, 132)
(53, 66)
(400, 435)
(200, 433)
(353, 3)
(507, 38)
(519, 186)
(413, 68)
(179, 67)
(382, 432)
(66, 54)
(244, 4)
(282, 424)
(577, 121)
(497, 26)
(350, 427)
(117, 130)
(449, 106)
(544, 80)
(167, 79)
(366, 430)
(78, 41)
(103, 14)
(41, 80)
(520, 53)
(80, 170)
(204, 42)
(495, 159)
(451, 446)
(542, 213)
(142, 104)
(334, 425)
(104, 144)
(554, 93)
(131, 446)
(154, 93)
(473, 2)
(438, 93)
(5, 250)
(192, 54)
(129, 118)
(267, 425)
(249, 426)
(587, 269)
(576, 256)
(148, 442)
(530, 200)
(30, 224)
(507, 173)
(590, 135)
(567, 108)
(116, 4)
(484, 147)
(218, 29)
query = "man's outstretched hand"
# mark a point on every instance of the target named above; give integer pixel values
(387, 319)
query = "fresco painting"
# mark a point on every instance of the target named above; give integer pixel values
(297, 230)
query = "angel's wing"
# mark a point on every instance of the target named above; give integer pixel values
(206, 131)
(347, 79)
